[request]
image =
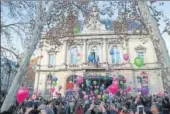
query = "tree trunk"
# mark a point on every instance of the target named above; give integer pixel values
(159, 44)
(10, 98)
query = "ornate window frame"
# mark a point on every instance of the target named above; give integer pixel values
(99, 48)
(142, 49)
(69, 54)
(120, 52)
(52, 51)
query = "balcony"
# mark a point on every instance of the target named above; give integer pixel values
(74, 66)
(92, 66)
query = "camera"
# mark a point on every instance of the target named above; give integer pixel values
(140, 109)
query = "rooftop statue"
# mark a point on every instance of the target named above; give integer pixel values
(92, 22)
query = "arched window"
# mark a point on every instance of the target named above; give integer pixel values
(93, 56)
(115, 55)
(71, 78)
(75, 55)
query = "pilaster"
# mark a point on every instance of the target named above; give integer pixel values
(65, 53)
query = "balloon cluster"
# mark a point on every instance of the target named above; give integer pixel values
(118, 85)
(91, 89)
(52, 80)
(89, 97)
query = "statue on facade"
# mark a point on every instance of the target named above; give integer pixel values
(92, 22)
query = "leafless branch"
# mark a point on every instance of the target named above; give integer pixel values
(11, 52)
(14, 24)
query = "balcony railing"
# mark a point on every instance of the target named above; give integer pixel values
(74, 66)
(105, 65)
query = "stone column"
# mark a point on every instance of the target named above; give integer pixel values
(65, 53)
(85, 51)
(104, 52)
(134, 78)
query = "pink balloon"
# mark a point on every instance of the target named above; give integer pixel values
(22, 94)
(113, 89)
(129, 88)
(126, 57)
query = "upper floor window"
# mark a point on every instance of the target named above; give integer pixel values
(75, 55)
(140, 54)
(51, 59)
(115, 55)
(140, 51)
(93, 56)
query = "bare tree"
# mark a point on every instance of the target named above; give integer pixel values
(159, 44)
(49, 20)
(22, 13)
(39, 22)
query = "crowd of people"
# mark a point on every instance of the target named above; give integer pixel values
(76, 104)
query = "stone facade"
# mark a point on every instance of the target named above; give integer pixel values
(73, 58)
(63, 69)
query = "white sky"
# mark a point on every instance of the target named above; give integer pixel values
(165, 8)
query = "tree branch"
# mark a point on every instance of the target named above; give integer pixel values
(14, 24)
(11, 52)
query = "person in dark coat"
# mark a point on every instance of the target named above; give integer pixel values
(35, 110)
(166, 106)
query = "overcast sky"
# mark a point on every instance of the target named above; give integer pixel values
(165, 8)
